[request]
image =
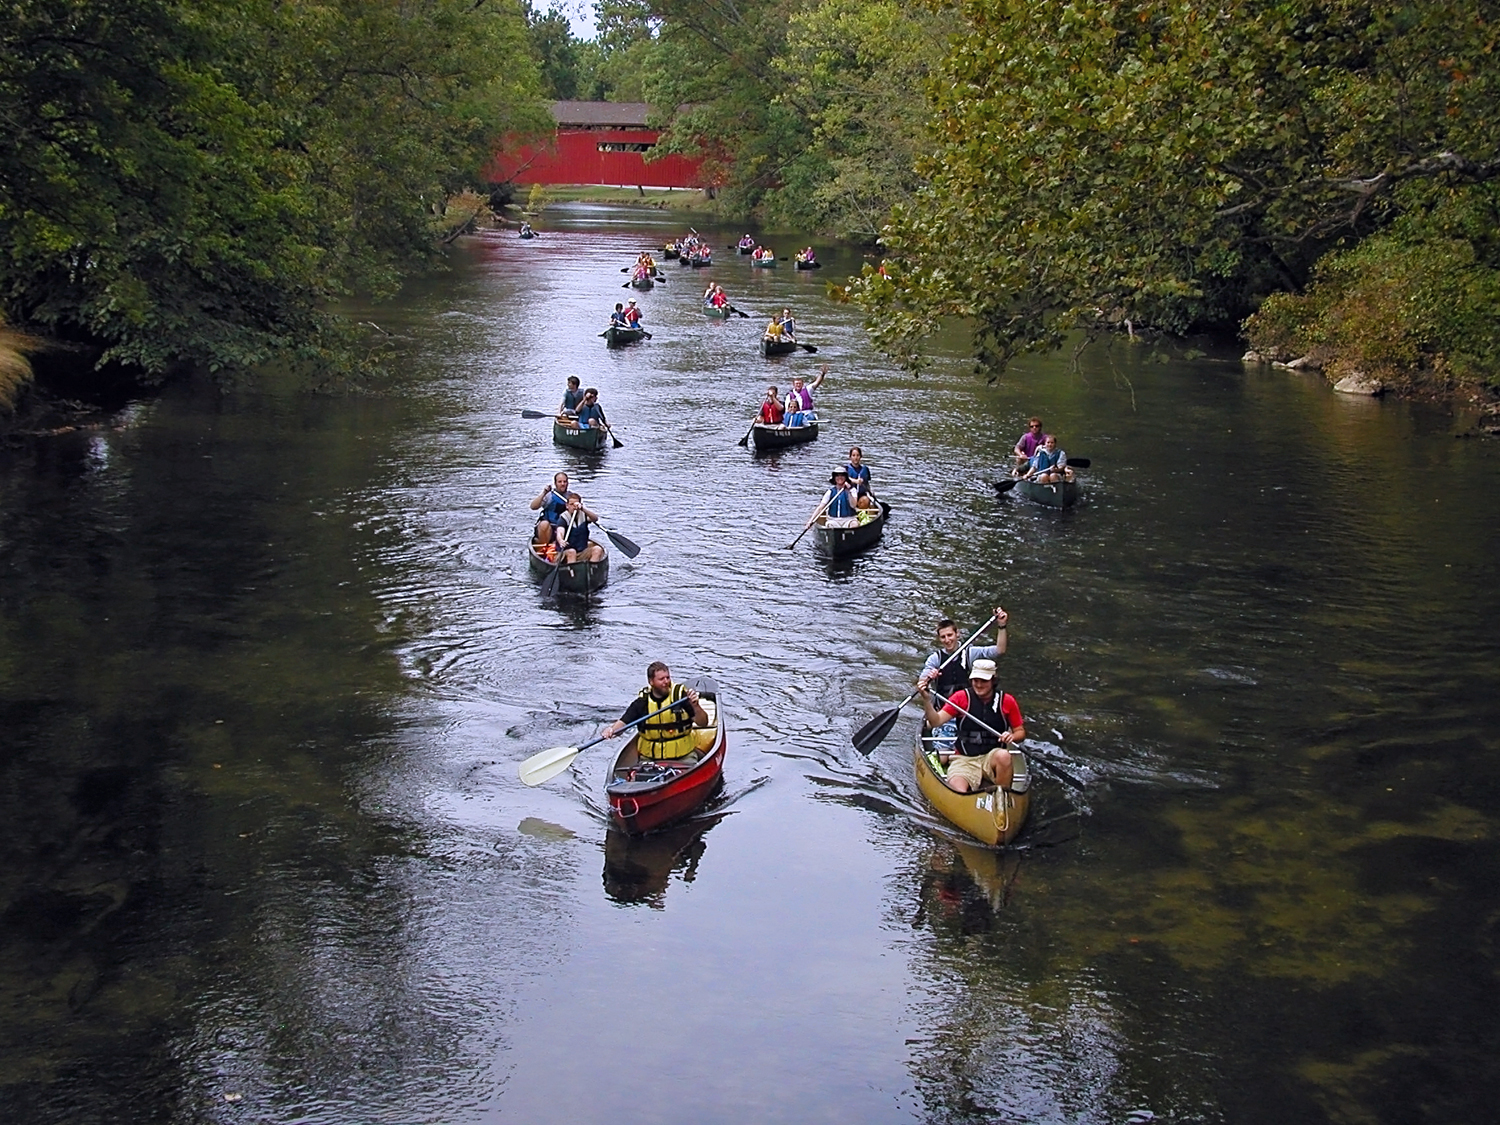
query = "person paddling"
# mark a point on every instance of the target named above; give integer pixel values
(989, 724)
(668, 736)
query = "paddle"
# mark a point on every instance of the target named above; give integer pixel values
(873, 733)
(1079, 462)
(745, 441)
(1033, 753)
(627, 546)
(809, 348)
(1006, 485)
(832, 496)
(737, 312)
(549, 763)
(538, 413)
(617, 442)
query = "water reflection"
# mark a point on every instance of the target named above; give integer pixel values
(637, 870)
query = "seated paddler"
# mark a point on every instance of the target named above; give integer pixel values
(669, 735)
(989, 724)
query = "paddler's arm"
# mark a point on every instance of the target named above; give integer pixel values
(935, 718)
(700, 716)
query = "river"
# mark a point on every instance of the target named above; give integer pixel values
(268, 661)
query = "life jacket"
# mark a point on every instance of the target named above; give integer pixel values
(800, 400)
(973, 739)
(578, 534)
(956, 675)
(841, 506)
(670, 734)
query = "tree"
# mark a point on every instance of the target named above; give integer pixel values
(855, 72)
(1096, 161)
(190, 182)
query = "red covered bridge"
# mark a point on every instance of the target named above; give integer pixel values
(598, 143)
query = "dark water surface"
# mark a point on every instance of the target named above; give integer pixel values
(268, 661)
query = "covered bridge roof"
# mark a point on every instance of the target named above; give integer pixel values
(601, 115)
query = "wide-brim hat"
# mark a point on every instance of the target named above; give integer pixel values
(840, 471)
(982, 670)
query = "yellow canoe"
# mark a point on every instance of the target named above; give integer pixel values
(991, 815)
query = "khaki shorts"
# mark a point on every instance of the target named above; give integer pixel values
(970, 769)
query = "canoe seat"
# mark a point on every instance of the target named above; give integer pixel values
(703, 737)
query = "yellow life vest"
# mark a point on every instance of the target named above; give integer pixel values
(670, 734)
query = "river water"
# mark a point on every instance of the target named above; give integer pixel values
(268, 661)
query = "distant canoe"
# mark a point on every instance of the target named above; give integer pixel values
(701, 260)
(574, 578)
(770, 346)
(590, 439)
(764, 263)
(990, 815)
(669, 252)
(1063, 494)
(527, 234)
(723, 313)
(839, 541)
(643, 282)
(767, 438)
(615, 336)
(647, 795)
(743, 249)
(801, 265)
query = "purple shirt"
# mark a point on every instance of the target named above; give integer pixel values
(1030, 443)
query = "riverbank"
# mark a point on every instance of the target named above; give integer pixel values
(685, 200)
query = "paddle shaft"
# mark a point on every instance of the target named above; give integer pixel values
(556, 760)
(821, 509)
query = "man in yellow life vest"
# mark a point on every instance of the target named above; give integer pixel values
(670, 734)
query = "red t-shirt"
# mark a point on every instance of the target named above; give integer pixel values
(1008, 707)
(771, 413)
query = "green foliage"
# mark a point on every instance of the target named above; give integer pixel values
(1166, 162)
(190, 182)
(15, 368)
(1418, 301)
(855, 72)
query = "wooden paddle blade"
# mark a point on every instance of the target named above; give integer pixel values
(626, 545)
(1079, 462)
(873, 733)
(548, 764)
(1005, 485)
(537, 413)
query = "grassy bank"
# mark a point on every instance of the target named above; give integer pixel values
(658, 199)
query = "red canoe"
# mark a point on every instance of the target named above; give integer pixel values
(645, 794)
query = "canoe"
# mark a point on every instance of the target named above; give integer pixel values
(746, 249)
(523, 234)
(1063, 494)
(596, 437)
(579, 578)
(764, 263)
(767, 438)
(990, 815)
(614, 336)
(809, 265)
(641, 282)
(698, 262)
(723, 314)
(646, 795)
(840, 541)
(668, 253)
(770, 346)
